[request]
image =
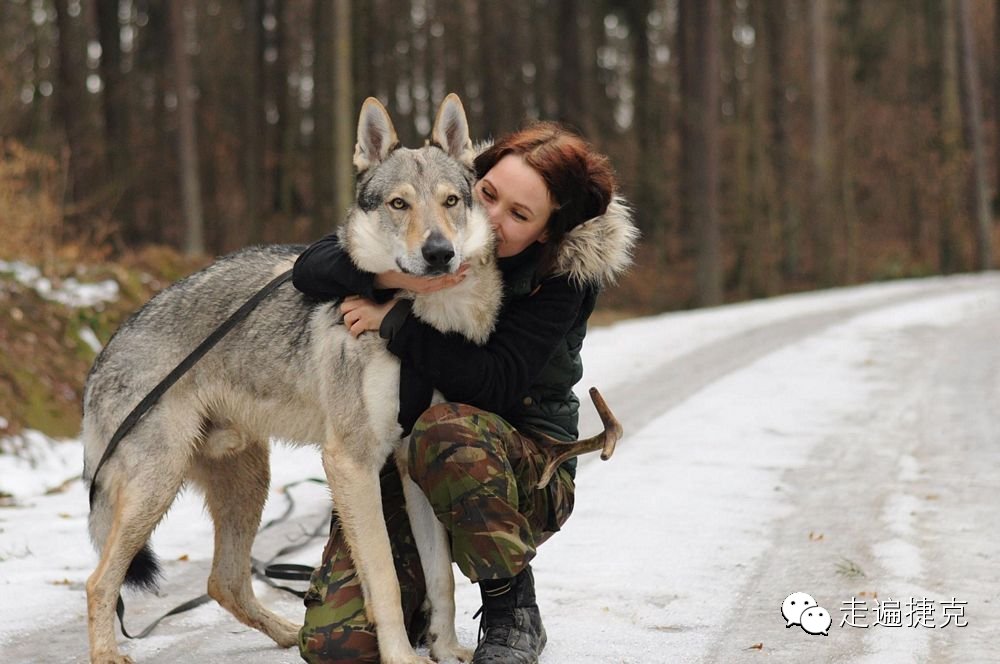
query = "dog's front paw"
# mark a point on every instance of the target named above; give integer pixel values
(453, 651)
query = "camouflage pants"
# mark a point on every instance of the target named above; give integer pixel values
(479, 474)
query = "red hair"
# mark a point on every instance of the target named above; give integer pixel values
(580, 180)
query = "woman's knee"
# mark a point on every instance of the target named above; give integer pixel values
(457, 452)
(437, 430)
(439, 415)
(444, 435)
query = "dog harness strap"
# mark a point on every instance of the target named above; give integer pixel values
(150, 399)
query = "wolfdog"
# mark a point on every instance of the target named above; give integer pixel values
(290, 371)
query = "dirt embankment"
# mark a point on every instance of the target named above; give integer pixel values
(46, 347)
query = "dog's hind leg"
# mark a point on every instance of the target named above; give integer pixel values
(235, 486)
(132, 498)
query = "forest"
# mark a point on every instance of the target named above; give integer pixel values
(767, 146)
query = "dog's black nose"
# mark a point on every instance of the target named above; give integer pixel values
(438, 252)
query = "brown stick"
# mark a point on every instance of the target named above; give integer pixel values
(605, 441)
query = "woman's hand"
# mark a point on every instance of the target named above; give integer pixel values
(361, 314)
(422, 285)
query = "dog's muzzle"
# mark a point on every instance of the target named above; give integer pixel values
(437, 252)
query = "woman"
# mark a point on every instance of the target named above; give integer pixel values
(561, 235)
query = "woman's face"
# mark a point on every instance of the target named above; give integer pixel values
(518, 204)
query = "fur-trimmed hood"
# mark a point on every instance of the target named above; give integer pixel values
(599, 250)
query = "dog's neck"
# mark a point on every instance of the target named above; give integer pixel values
(469, 308)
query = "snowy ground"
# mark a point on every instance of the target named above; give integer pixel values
(845, 444)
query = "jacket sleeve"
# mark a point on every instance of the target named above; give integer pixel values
(324, 271)
(494, 376)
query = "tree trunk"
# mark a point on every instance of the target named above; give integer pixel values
(456, 47)
(543, 55)
(594, 116)
(973, 125)
(495, 62)
(153, 221)
(742, 186)
(517, 56)
(996, 103)
(401, 84)
(116, 108)
(343, 111)
(253, 118)
(761, 280)
(324, 219)
(181, 34)
(951, 138)
(418, 71)
(687, 73)
(285, 129)
(916, 87)
(824, 248)
(701, 113)
(438, 62)
(472, 83)
(644, 123)
(71, 105)
(572, 104)
(849, 213)
(363, 52)
(775, 20)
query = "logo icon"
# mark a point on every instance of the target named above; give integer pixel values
(803, 610)
(816, 621)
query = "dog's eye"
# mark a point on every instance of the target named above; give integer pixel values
(398, 204)
(451, 201)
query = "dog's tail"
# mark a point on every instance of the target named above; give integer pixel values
(144, 571)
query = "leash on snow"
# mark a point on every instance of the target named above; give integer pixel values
(265, 571)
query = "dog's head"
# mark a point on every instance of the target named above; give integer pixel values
(414, 211)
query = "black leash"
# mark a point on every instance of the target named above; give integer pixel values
(150, 399)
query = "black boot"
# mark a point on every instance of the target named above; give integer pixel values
(511, 629)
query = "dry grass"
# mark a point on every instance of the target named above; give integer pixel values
(30, 215)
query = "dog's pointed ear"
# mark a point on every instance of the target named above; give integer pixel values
(451, 130)
(376, 135)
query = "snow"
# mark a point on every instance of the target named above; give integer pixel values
(32, 463)
(662, 535)
(88, 337)
(71, 292)
(656, 339)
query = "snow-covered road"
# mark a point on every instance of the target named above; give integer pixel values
(845, 444)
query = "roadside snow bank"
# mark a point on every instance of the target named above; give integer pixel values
(32, 463)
